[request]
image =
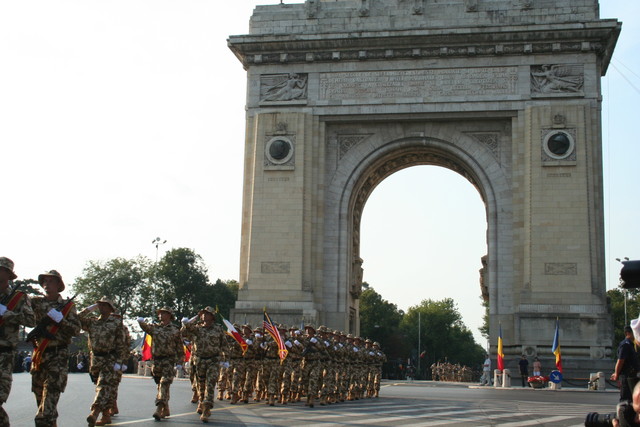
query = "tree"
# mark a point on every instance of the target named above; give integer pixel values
(118, 279)
(30, 287)
(616, 299)
(443, 335)
(181, 282)
(380, 321)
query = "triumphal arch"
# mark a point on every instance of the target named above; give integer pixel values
(342, 94)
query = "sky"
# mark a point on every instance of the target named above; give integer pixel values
(123, 121)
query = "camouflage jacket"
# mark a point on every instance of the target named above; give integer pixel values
(106, 336)
(207, 341)
(313, 348)
(68, 327)
(22, 314)
(166, 341)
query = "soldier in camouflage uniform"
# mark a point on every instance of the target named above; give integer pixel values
(237, 366)
(258, 381)
(15, 310)
(251, 360)
(272, 370)
(295, 362)
(380, 358)
(167, 349)
(113, 403)
(328, 372)
(209, 347)
(50, 364)
(311, 364)
(108, 349)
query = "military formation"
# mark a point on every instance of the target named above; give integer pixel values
(281, 365)
(445, 371)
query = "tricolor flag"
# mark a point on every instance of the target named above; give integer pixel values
(146, 347)
(268, 325)
(556, 346)
(233, 333)
(500, 352)
(187, 352)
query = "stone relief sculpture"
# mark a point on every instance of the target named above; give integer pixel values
(557, 78)
(283, 87)
(356, 285)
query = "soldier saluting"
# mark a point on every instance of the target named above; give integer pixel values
(57, 322)
(167, 349)
(209, 346)
(15, 310)
(108, 346)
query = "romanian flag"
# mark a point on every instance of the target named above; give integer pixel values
(146, 347)
(268, 325)
(556, 346)
(500, 352)
(233, 333)
(187, 351)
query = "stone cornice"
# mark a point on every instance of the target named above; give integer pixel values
(599, 37)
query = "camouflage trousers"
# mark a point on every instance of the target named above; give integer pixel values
(251, 375)
(273, 369)
(207, 371)
(329, 380)
(311, 376)
(238, 369)
(48, 383)
(224, 380)
(163, 372)
(114, 395)
(287, 373)
(6, 368)
(105, 378)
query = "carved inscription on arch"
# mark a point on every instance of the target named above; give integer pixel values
(434, 83)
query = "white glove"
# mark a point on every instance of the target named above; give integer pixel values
(3, 309)
(93, 307)
(55, 315)
(313, 340)
(258, 335)
(123, 367)
(355, 349)
(249, 342)
(224, 364)
(185, 320)
(296, 342)
(140, 319)
(117, 367)
(263, 345)
(326, 344)
(288, 344)
(80, 366)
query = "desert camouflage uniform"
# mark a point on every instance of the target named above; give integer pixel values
(250, 361)
(329, 373)
(237, 368)
(209, 345)
(380, 358)
(49, 379)
(295, 365)
(272, 369)
(287, 367)
(311, 367)
(21, 314)
(167, 349)
(108, 347)
(113, 404)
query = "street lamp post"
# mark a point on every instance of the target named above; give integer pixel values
(157, 242)
(624, 293)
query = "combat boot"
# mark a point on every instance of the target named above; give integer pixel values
(159, 411)
(271, 401)
(220, 394)
(310, 401)
(245, 397)
(165, 410)
(323, 400)
(114, 409)
(206, 413)
(234, 398)
(200, 408)
(93, 416)
(105, 419)
(194, 397)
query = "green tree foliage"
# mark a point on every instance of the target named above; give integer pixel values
(616, 299)
(380, 321)
(119, 279)
(30, 287)
(443, 335)
(484, 329)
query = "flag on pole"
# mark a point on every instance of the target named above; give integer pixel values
(500, 352)
(268, 325)
(556, 346)
(146, 347)
(233, 333)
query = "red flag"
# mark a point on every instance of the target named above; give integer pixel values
(187, 352)
(233, 333)
(268, 325)
(146, 347)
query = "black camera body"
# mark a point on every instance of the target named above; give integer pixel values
(624, 414)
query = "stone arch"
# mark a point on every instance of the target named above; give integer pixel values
(361, 170)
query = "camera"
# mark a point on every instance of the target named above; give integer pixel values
(624, 414)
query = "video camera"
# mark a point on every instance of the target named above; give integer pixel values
(624, 414)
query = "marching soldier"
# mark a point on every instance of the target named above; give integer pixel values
(113, 404)
(56, 323)
(107, 343)
(380, 358)
(250, 362)
(167, 350)
(15, 310)
(208, 348)
(311, 365)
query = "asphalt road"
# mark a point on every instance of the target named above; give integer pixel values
(420, 403)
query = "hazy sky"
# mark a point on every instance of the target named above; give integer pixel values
(122, 121)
